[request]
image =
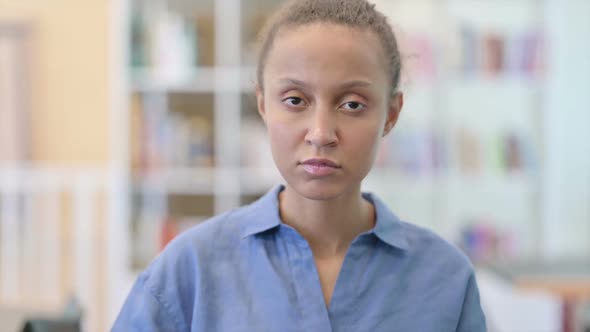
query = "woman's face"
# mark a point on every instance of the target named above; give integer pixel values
(326, 104)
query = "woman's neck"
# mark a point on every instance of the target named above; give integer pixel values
(329, 226)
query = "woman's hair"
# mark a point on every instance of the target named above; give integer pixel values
(359, 14)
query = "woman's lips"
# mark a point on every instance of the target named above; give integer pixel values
(320, 167)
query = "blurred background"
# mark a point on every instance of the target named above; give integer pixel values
(124, 122)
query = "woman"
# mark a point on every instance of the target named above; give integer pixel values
(315, 254)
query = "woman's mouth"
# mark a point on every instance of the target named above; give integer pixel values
(319, 167)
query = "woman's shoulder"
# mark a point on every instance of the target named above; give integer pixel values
(199, 246)
(426, 245)
(418, 244)
(228, 228)
(173, 280)
(215, 233)
(218, 228)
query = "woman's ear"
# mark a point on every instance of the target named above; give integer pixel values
(395, 107)
(260, 103)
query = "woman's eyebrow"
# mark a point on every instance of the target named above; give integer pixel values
(291, 81)
(355, 84)
(345, 85)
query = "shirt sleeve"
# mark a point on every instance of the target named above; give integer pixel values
(143, 311)
(472, 318)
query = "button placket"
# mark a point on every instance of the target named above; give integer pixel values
(345, 293)
(306, 283)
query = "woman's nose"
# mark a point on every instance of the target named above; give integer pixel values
(322, 128)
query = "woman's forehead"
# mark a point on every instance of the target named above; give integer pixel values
(326, 35)
(325, 52)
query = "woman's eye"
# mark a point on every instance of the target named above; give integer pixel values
(293, 101)
(353, 106)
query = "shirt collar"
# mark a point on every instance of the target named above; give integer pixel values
(388, 227)
(264, 214)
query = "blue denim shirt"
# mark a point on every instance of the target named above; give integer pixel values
(247, 271)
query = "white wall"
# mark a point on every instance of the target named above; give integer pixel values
(566, 204)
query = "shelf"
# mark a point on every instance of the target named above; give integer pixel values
(154, 80)
(188, 181)
(190, 6)
(493, 185)
(194, 80)
(201, 181)
(453, 183)
(494, 82)
(393, 180)
(258, 180)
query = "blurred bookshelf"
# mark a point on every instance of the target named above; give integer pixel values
(466, 152)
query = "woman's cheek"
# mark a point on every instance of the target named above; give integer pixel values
(279, 145)
(282, 131)
(368, 144)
